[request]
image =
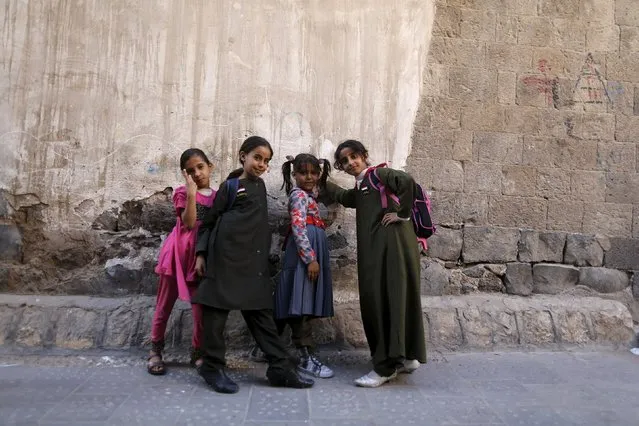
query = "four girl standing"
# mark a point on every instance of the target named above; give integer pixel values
(232, 258)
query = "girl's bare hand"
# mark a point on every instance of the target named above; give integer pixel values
(191, 186)
(200, 266)
(313, 270)
(390, 218)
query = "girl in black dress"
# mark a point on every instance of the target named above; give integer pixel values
(233, 249)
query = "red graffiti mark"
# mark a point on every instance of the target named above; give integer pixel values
(544, 66)
(547, 86)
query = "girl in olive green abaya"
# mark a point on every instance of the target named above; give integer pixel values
(387, 263)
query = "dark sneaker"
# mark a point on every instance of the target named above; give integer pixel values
(309, 364)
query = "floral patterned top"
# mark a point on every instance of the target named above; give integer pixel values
(300, 205)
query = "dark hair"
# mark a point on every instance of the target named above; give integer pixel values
(249, 144)
(298, 163)
(356, 146)
(190, 153)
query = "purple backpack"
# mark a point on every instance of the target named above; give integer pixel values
(420, 213)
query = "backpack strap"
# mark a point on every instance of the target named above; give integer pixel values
(232, 186)
(376, 182)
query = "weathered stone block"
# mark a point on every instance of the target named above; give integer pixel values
(502, 148)
(534, 31)
(462, 145)
(448, 175)
(9, 319)
(446, 244)
(478, 24)
(477, 329)
(626, 13)
(573, 327)
(457, 52)
(488, 280)
(436, 80)
(622, 67)
(506, 88)
(348, 320)
(553, 183)
(560, 153)
(433, 143)
(623, 254)
(517, 211)
(438, 113)
(434, 277)
(35, 327)
(507, 29)
(554, 279)
(617, 157)
(489, 118)
(568, 33)
(518, 279)
(603, 280)
(610, 219)
(445, 329)
(596, 126)
(10, 242)
(535, 246)
(602, 38)
(622, 188)
(611, 326)
(583, 250)
(78, 329)
(508, 57)
(470, 85)
(629, 37)
(489, 244)
(485, 178)
(588, 186)
(120, 328)
(447, 21)
(565, 216)
(504, 327)
(453, 208)
(564, 8)
(518, 180)
(536, 327)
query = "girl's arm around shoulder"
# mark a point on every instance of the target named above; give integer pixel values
(334, 193)
(401, 184)
(211, 218)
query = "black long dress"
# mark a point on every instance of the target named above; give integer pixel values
(236, 244)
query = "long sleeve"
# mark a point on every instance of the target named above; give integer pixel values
(298, 209)
(336, 194)
(210, 219)
(402, 185)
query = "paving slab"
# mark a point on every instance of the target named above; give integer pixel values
(481, 388)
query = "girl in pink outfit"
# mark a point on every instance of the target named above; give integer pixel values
(176, 262)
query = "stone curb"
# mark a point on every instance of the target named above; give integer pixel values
(451, 322)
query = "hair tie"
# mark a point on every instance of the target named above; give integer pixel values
(290, 158)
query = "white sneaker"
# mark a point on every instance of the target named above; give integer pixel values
(313, 366)
(373, 380)
(409, 366)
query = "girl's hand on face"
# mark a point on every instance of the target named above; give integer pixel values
(390, 218)
(200, 266)
(191, 186)
(313, 270)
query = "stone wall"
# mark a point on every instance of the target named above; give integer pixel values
(527, 134)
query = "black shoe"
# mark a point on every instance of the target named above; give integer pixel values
(289, 379)
(219, 381)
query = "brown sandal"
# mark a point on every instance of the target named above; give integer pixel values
(157, 367)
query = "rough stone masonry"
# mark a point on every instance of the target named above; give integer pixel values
(521, 117)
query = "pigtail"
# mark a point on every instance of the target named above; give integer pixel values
(235, 173)
(286, 174)
(326, 171)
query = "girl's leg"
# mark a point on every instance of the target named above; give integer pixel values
(196, 356)
(167, 295)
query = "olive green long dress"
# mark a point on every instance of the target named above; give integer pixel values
(388, 271)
